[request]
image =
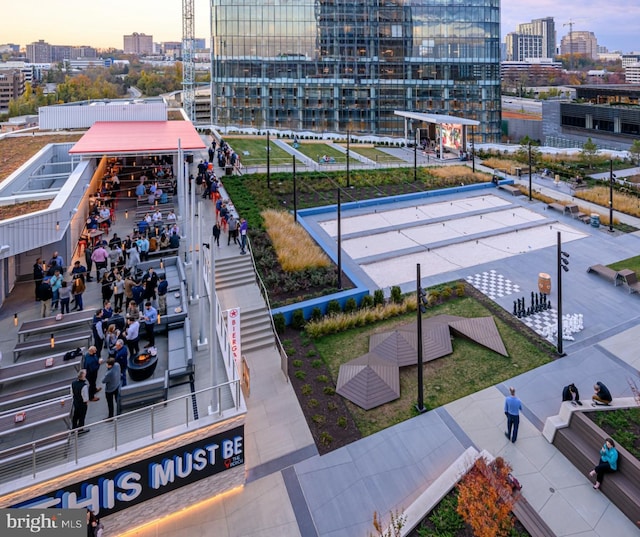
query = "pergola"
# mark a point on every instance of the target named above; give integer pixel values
(440, 120)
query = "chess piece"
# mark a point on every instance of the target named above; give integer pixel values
(515, 309)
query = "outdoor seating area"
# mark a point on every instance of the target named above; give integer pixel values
(627, 278)
(581, 441)
(137, 394)
(181, 353)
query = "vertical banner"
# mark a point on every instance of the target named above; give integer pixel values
(233, 331)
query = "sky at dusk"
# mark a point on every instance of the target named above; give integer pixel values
(102, 24)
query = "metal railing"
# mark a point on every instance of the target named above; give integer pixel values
(284, 359)
(118, 435)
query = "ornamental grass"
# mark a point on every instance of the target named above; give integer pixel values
(457, 174)
(625, 203)
(295, 249)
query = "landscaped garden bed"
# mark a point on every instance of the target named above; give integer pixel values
(314, 365)
(622, 425)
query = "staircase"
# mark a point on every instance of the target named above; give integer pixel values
(235, 271)
(255, 324)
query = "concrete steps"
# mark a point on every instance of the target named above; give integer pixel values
(234, 271)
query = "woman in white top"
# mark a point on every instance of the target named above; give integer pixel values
(157, 216)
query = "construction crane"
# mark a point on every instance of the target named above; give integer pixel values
(570, 25)
(188, 65)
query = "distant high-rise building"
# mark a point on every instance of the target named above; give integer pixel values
(12, 85)
(632, 73)
(39, 52)
(139, 44)
(199, 43)
(339, 65)
(580, 42)
(545, 28)
(522, 47)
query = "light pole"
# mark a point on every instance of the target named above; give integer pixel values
(473, 149)
(339, 240)
(611, 178)
(348, 169)
(268, 163)
(415, 155)
(295, 192)
(529, 171)
(422, 300)
(563, 265)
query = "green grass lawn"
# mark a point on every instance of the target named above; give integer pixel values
(632, 263)
(257, 149)
(315, 150)
(373, 153)
(470, 368)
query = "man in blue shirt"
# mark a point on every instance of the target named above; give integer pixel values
(512, 408)
(150, 319)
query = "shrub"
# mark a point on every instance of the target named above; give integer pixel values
(316, 364)
(367, 301)
(300, 374)
(333, 307)
(306, 389)
(446, 518)
(433, 297)
(350, 305)
(460, 289)
(297, 320)
(311, 353)
(279, 323)
(316, 314)
(447, 292)
(297, 363)
(325, 438)
(485, 501)
(329, 390)
(396, 295)
(331, 406)
(322, 378)
(378, 297)
(318, 418)
(342, 422)
(313, 403)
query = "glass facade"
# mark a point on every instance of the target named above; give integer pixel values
(338, 65)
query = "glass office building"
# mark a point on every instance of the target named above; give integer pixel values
(338, 65)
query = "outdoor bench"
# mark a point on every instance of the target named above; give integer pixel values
(34, 394)
(574, 212)
(557, 207)
(136, 394)
(180, 352)
(581, 441)
(513, 190)
(37, 367)
(605, 272)
(531, 519)
(629, 280)
(60, 339)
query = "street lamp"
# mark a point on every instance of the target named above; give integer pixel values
(422, 301)
(348, 172)
(529, 171)
(563, 265)
(473, 149)
(611, 179)
(295, 193)
(415, 155)
(339, 240)
(268, 163)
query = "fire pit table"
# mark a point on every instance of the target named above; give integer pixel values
(142, 366)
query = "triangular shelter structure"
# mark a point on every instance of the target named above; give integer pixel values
(369, 381)
(482, 330)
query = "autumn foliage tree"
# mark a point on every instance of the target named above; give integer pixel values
(485, 499)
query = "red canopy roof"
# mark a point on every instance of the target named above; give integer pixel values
(118, 137)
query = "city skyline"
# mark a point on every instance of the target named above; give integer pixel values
(613, 27)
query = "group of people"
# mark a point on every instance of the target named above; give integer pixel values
(55, 289)
(608, 461)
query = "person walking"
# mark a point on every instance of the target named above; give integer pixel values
(244, 227)
(100, 257)
(512, 408)
(91, 365)
(80, 393)
(608, 462)
(216, 234)
(111, 383)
